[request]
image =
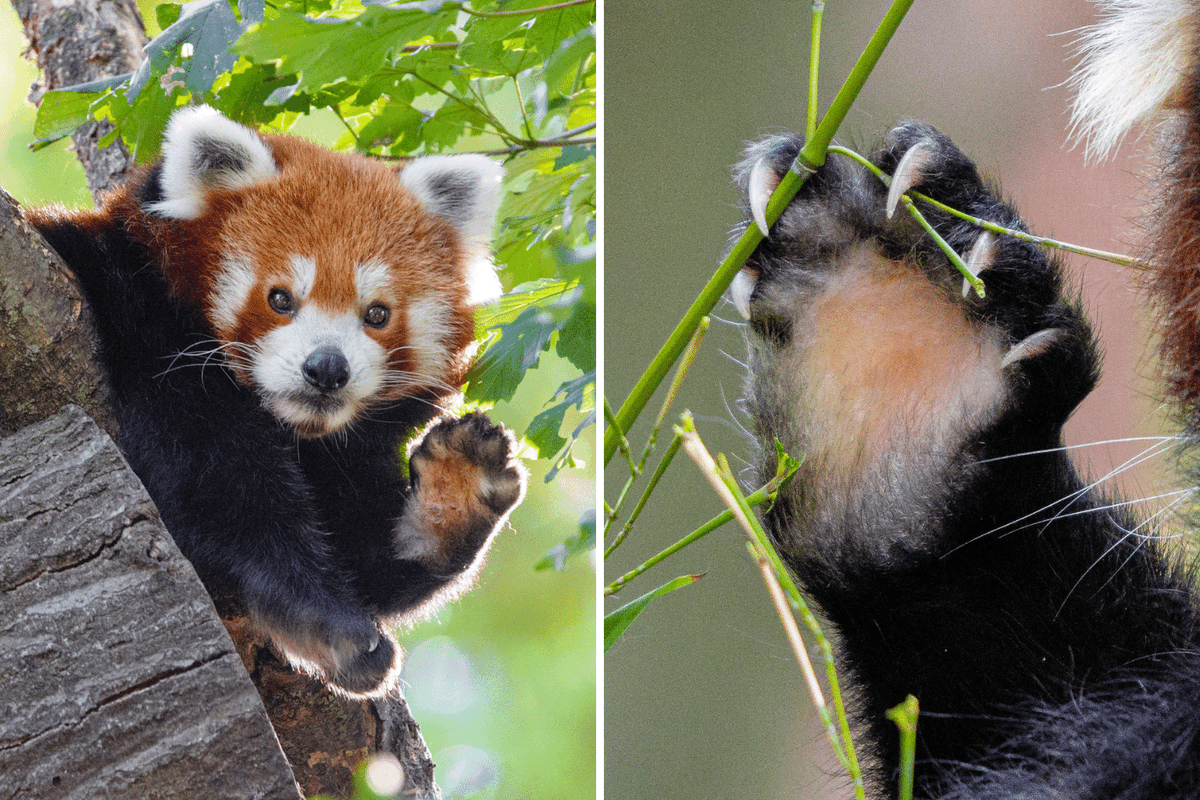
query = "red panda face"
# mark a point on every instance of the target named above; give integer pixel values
(333, 283)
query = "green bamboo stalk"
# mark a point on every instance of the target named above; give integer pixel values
(814, 60)
(848, 756)
(810, 157)
(763, 495)
(905, 717)
(637, 510)
(723, 480)
(942, 244)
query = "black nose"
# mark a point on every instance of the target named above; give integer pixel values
(327, 369)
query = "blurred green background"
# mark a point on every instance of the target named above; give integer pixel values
(702, 696)
(503, 681)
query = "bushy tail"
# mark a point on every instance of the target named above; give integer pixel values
(1141, 60)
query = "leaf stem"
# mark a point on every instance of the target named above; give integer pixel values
(613, 424)
(905, 717)
(680, 372)
(1115, 258)
(480, 109)
(522, 12)
(529, 137)
(637, 509)
(764, 495)
(726, 486)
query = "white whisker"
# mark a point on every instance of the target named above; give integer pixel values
(1161, 444)
(1081, 445)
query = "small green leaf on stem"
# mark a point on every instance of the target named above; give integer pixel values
(616, 622)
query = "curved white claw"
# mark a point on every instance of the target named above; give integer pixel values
(740, 290)
(909, 172)
(980, 257)
(1033, 345)
(763, 181)
(982, 252)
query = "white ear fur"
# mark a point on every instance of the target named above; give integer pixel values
(1136, 61)
(204, 150)
(465, 191)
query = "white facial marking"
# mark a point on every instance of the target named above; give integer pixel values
(374, 282)
(429, 330)
(231, 289)
(278, 370)
(304, 275)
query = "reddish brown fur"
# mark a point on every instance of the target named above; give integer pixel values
(271, 222)
(1174, 258)
(897, 360)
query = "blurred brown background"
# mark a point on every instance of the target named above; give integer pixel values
(702, 696)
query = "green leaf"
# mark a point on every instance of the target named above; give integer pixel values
(550, 29)
(577, 339)
(61, 112)
(512, 304)
(141, 120)
(497, 372)
(616, 622)
(563, 65)
(543, 430)
(557, 557)
(576, 152)
(326, 51)
(243, 94)
(210, 26)
(166, 14)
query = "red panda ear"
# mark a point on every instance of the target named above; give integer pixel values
(204, 150)
(465, 191)
(462, 189)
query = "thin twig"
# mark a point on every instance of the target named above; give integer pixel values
(1115, 258)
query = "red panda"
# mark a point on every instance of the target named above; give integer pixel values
(276, 319)
(937, 519)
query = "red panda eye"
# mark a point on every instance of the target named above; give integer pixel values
(377, 315)
(281, 300)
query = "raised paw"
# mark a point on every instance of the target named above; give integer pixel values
(466, 480)
(866, 357)
(849, 234)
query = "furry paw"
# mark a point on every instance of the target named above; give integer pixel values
(868, 359)
(349, 651)
(466, 480)
(371, 669)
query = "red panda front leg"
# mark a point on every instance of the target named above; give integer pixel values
(466, 479)
(936, 518)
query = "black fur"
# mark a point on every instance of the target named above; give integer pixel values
(1051, 643)
(301, 531)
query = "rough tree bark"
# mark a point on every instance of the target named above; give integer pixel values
(47, 351)
(76, 41)
(116, 677)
